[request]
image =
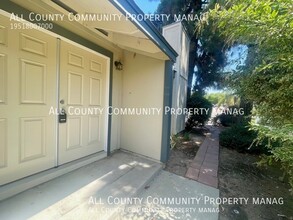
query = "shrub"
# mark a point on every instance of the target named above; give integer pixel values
(280, 144)
(225, 120)
(195, 102)
(186, 136)
(228, 119)
(240, 138)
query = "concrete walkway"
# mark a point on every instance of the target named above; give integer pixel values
(123, 186)
(204, 167)
(174, 197)
(73, 195)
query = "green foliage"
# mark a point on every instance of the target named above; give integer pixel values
(174, 141)
(266, 27)
(207, 52)
(186, 136)
(268, 79)
(210, 60)
(231, 117)
(215, 98)
(240, 138)
(225, 120)
(278, 136)
(195, 102)
(223, 98)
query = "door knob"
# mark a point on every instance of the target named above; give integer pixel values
(62, 101)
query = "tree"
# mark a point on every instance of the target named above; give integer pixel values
(266, 27)
(197, 101)
(223, 98)
(207, 54)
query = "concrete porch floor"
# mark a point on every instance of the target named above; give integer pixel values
(117, 187)
(67, 197)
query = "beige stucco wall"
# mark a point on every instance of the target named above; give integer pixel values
(143, 86)
(178, 39)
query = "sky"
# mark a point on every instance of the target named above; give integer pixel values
(147, 6)
(236, 56)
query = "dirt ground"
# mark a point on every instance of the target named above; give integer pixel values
(184, 151)
(239, 176)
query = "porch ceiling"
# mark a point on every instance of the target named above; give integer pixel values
(113, 21)
(109, 23)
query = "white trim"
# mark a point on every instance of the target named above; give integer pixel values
(107, 104)
(57, 100)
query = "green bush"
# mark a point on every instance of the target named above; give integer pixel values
(196, 102)
(240, 138)
(227, 119)
(280, 145)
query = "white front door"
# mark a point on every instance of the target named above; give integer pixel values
(31, 139)
(83, 97)
(27, 92)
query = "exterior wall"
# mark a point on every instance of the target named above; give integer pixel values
(178, 39)
(140, 84)
(143, 87)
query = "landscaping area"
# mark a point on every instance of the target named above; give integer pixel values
(186, 144)
(240, 177)
(268, 197)
(245, 171)
(243, 50)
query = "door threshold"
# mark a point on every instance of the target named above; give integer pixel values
(13, 188)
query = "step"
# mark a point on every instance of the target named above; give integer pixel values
(29, 182)
(128, 186)
(68, 196)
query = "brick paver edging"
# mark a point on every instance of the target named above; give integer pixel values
(204, 167)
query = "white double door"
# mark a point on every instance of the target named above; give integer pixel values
(34, 66)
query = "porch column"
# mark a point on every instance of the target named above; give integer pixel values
(168, 88)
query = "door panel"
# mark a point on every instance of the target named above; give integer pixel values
(27, 92)
(83, 89)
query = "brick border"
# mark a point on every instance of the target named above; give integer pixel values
(204, 167)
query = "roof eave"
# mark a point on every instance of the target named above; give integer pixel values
(146, 26)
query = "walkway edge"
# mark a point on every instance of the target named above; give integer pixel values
(204, 167)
